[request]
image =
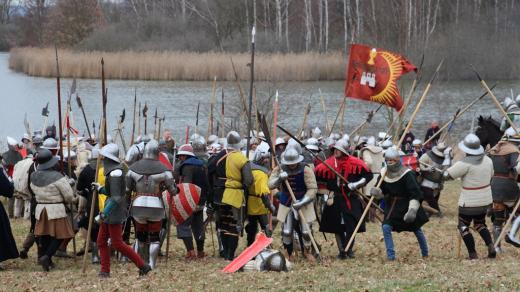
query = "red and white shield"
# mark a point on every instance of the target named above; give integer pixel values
(185, 202)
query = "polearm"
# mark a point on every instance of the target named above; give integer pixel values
(383, 174)
(45, 114)
(240, 90)
(515, 127)
(132, 137)
(145, 117)
(120, 129)
(102, 141)
(415, 82)
(222, 116)
(211, 106)
(251, 85)
(139, 122)
(161, 121)
(197, 118)
(337, 115)
(187, 138)
(80, 105)
(273, 138)
(324, 108)
(58, 87)
(301, 130)
(462, 111)
(367, 121)
(155, 117)
(265, 128)
(69, 164)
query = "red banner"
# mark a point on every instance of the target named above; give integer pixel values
(372, 75)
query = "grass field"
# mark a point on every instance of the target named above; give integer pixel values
(368, 271)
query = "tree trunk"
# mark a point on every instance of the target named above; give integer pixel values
(345, 25)
(278, 20)
(308, 28)
(286, 12)
(358, 20)
(320, 27)
(326, 25)
(247, 14)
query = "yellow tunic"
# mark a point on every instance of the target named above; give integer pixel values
(234, 193)
(257, 190)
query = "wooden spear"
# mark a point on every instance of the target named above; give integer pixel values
(132, 138)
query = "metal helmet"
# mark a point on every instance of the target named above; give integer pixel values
(215, 148)
(185, 149)
(438, 149)
(260, 155)
(275, 262)
(11, 141)
(194, 136)
(109, 140)
(392, 154)
(387, 144)
(508, 103)
(329, 142)
(312, 144)
(26, 137)
(110, 151)
(37, 140)
(416, 143)
(95, 153)
(151, 150)
(362, 141)
(261, 136)
(291, 156)
(316, 133)
(295, 145)
(199, 144)
(46, 159)
(341, 145)
(471, 145)
(212, 139)
(234, 141)
(50, 143)
(382, 136)
(517, 100)
(371, 141)
(511, 135)
(280, 141)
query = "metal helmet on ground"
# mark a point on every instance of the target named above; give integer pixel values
(341, 145)
(151, 150)
(275, 262)
(185, 149)
(50, 143)
(46, 159)
(110, 151)
(291, 156)
(471, 145)
(312, 144)
(438, 149)
(234, 141)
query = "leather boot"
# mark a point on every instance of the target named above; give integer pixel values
(95, 253)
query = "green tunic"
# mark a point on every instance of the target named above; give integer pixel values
(397, 197)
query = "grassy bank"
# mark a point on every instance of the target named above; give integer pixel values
(367, 272)
(178, 65)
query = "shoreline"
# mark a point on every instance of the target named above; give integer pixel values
(178, 66)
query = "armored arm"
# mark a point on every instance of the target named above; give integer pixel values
(247, 175)
(312, 189)
(117, 191)
(65, 190)
(276, 178)
(169, 183)
(413, 207)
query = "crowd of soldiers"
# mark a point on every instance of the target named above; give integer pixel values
(323, 183)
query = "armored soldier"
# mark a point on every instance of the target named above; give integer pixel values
(302, 181)
(512, 111)
(114, 213)
(148, 178)
(432, 165)
(475, 171)
(504, 187)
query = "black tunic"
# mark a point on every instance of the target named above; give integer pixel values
(397, 197)
(347, 207)
(8, 248)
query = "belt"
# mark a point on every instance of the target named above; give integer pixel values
(48, 203)
(148, 195)
(504, 175)
(475, 188)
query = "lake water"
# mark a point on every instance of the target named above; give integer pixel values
(177, 101)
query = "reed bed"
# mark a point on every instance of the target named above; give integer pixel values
(173, 65)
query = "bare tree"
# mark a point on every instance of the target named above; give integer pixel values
(5, 11)
(278, 20)
(308, 25)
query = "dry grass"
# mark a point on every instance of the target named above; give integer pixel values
(369, 271)
(178, 65)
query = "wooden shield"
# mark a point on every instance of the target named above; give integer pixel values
(185, 202)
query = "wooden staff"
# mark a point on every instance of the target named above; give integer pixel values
(304, 122)
(211, 106)
(132, 137)
(251, 93)
(222, 116)
(58, 87)
(102, 141)
(324, 109)
(337, 115)
(80, 105)
(383, 174)
(367, 121)
(462, 111)
(139, 122)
